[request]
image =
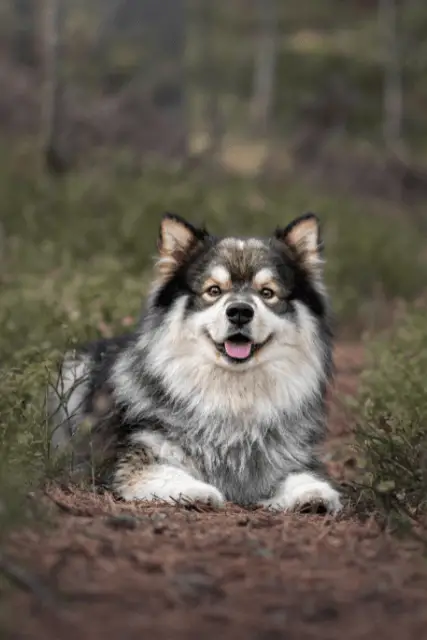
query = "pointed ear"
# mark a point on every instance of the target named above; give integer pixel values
(303, 237)
(177, 240)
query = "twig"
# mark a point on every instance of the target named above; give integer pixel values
(27, 582)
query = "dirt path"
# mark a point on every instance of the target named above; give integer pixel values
(109, 571)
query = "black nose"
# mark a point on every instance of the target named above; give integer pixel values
(240, 314)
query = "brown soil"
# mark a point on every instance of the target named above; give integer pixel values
(109, 570)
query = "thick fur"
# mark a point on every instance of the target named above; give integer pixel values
(172, 416)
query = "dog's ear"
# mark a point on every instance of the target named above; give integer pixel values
(303, 237)
(178, 239)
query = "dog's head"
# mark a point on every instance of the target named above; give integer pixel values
(241, 302)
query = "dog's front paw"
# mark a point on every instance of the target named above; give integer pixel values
(166, 484)
(200, 492)
(304, 492)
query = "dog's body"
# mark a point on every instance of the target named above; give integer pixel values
(219, 394)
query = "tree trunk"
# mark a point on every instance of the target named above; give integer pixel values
(169, 90)
(212, 116)
(162, 78)
(53, 98)
(25, 49)
(265, 64)
(392, 97)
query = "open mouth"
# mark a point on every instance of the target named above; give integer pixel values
(239, 348)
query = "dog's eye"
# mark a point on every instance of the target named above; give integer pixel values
(267, 293)
(214, 291)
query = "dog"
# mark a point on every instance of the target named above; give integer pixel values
(219, 393)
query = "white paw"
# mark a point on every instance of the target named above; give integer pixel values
(201, 492)
(301, 490)
(169, 484)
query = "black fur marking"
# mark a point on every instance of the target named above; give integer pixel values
(178, 284)
(103, 353)
(295, 277)
(172, 289)
(303, 290)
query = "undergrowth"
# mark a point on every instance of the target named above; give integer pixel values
(75, 258)
(391, 414)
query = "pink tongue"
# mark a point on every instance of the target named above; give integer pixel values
(237, 350)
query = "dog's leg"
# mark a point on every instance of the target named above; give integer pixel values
(303, 491)
(147, 473)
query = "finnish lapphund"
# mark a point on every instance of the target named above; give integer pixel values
(219, 392)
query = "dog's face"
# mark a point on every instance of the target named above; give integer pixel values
(242, 302)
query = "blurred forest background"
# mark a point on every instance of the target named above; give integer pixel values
(334, 90)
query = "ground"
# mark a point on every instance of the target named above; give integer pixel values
(103, 569)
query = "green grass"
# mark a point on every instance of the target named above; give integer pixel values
(75, 259)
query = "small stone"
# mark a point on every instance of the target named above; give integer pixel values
(263, 552)
(123, 521)
(158, 527)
